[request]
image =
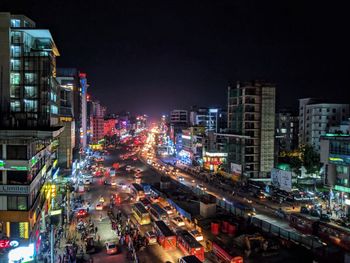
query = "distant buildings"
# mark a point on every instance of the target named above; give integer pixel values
(251, 125)
(213, 119)
(316, 117)
(97, 121)
(179, 118)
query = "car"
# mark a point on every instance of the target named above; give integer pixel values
(111, 248)
(200, 186)
(101, 200)
(193, 181)
(196, 234)
(304, 210)
(99, 207)
(87, 181)
(178, 221)
(280, 213)
(138, 171)
(146, 202)
(128, 168)
(82, 213)
(181, 179)
(168, 209)
(151, 237)
(315, 212)
(325, 218)
(260, 196)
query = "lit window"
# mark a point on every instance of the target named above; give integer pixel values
(30, 92)
(54, 109)
(30, 105)
(15, 23)
(15, 106)
(15, 64)
(15, 51)
(15, 78)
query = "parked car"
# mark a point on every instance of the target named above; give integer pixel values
(151, 237)
(197, 235)
(111, 248)
(178, 221)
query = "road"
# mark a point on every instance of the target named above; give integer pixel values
(153, 253)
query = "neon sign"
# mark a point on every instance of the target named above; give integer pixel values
(6, 243)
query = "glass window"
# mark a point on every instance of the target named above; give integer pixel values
(30, 78)
(16, 152)
(15, 23)
(30, 92)
(15, 78)
(30, 105)
(17, 177)
(15, 91)
(17, 203)
(54, 109)
(15, 51)
(15, 106)
(15, 64)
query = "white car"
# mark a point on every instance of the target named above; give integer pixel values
(178, 221)
(197, 235)
(99, 207)
(128, 168)
(200, 186)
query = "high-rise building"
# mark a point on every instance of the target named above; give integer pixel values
(71, 99)
(97, 121)
(210, 118)
(84, 119)
(251, 123)
(316, 117)
(287, 129)
(29, 129)
(179, 117)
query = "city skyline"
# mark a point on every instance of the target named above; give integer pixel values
(155, 54)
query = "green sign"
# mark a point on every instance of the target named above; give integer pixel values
(2, 164)
(19, 168)
(342, 188)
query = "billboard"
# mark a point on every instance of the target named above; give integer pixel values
(236, 168)
(282, 179)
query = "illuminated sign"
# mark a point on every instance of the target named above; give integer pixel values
(19, 168)
(336, 159)
(216, 154)
(347, 201)
(22, 254)
(2, 164)
(55, 212)
(14, 189)
(6, 243)
(186, 137)
(55, 163)
(342, 188)
(213, 110)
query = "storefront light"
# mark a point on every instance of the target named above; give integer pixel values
(22, 254)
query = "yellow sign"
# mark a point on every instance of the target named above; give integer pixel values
(53, 190)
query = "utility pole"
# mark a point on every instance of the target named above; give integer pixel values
(52, 244)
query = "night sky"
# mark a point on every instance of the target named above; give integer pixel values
(152, 56)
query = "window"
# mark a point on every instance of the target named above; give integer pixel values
(15, 106)
(15, 78)
(15, 23)
(334, 110)
(16, 152)
(17, 177)
(15, 64)
(327, 109)
(17, 203)
(54, 109)
(15, 91)
(30, 92)
(30, 105)
(15, 51)
(30, 78)
(320, 109)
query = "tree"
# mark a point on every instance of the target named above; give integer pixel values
(295, 163)
(311, 160)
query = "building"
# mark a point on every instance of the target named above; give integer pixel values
(191, 151)
(69, 78)
(97, 121)
(29, 111)
(316, 117)
(179, 118)
(251, 123)
(109, 127)
(84, 111)
(213, 119)
(335, 156)
(287, 130)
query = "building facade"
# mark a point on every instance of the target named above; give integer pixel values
(335, 156)
(316, 117)
(179, 117)
(29, 126)
(287, 130)
(251, 121)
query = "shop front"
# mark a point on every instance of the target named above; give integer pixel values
(212, 161)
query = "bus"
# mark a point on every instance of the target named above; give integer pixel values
(158, 213)
(165, 237)
(224, 254)
(189, 259)
(137, 191)
(189, 245)
(140, 213)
